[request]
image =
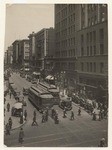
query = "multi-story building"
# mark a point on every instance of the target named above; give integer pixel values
(32, 51)
(24, 48)
(42, 49)
(82, 44)
(93, 47)
(5, 58)
(67, 23)
(9, 55)
(16, 52)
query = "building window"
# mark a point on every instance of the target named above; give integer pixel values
(90, 36)
(95, 19)
(101, 67)
(94, 36)
(82, 38)
(87, 37)
(92, 21)
(82, 51)
(82, 66)
(101, 49)
(94, 50)
(94, 67)
(74, 40)
(88, 51)
(101, 34)
(91, 67)
(87, 67)
(89, 22)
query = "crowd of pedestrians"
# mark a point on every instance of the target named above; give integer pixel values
(103, 112)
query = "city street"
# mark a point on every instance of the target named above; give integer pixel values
(80, 132)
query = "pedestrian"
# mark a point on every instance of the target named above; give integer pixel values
(21, 136)
(21, 118)
(10, 94)
(72, 115)
(10, 123)
(25, 115)
(56, 119)
(7, 127)
(34, 121)
(102, 116)
(79, 111)
(34, 113)
(4, 111)
(94, 116)
(64, 113)
(46, 115)
(4, 100)
(8, 107)
(43, 118)
(99, 116)
(102, 143)
(53, 112)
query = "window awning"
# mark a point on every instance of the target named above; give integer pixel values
(36, 73)
(49, 77)
(27, 69)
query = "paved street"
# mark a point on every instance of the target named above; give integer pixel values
(81, 132)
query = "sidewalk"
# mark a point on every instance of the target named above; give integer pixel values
(15, 120)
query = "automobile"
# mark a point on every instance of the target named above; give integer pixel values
(17, 109)
(82, 102)
(65, 101)
(21, 99)
(34, 82)
(17, 95)
(75, 99)
(25, 91)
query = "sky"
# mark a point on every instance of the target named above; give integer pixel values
(23, 19)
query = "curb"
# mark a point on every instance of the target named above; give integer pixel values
(17, 126)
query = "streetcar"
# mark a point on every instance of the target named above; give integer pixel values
(52, 89)
(40, 98)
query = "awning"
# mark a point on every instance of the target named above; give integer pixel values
(36, 73)
(27, 69)
(49, 77)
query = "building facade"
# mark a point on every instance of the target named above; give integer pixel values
(41, 47)
(82, 44)
(25, 53)
(32, 50)
(67, 23)
(16, 52)
(93, 48)
(8, 56)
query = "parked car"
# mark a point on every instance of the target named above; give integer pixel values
(21, 99)
(25, 91)
(34, 81)
(75, 98)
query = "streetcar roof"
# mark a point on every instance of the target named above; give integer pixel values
(46, 85)
(40, 90)
(42, 95)
(46, 96)
(54, 90)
